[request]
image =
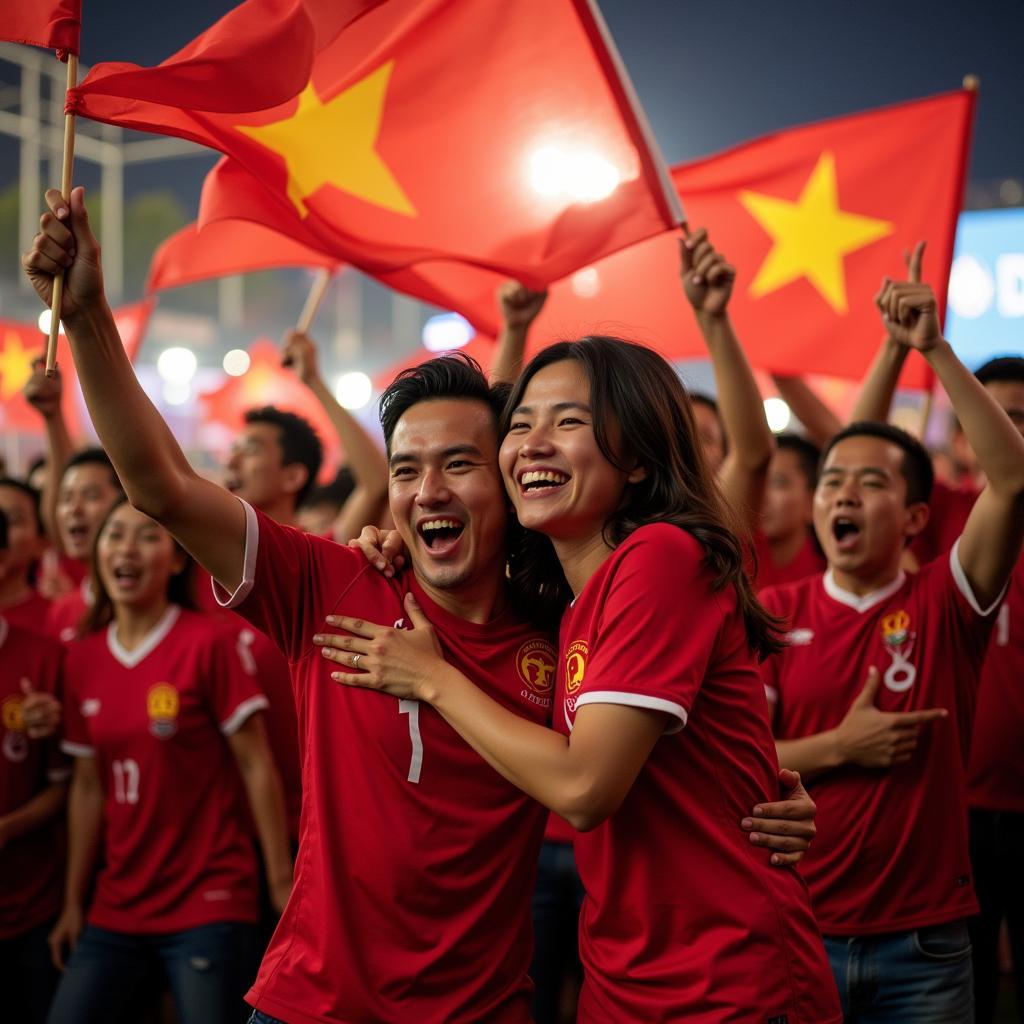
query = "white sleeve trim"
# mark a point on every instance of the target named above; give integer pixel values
(252, 543)
(638, 700)
(771, 693)
(242, 713)
(77, 749)
(963, 584)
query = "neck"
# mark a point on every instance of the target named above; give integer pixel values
(863, 583)
(581, 558)
(133, 623)
(13, 590)
(477, 601)
(785, 549)
(281, 510)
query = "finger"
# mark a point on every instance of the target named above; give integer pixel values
(419, 620)
(908, 718)
(363, 680)
(785, 844)
(50, 227)
(26, 686)
(56, 252)
(337, 648)
(392, 547)
(85, 240)
(685, 257)
(803, 830)
(914, 261)
(785, 860)
(57, 203)
(54, 942)
(704, 263)
(721, 273)
(866, 697)
(357, 627)
(694, 238)
(36, 261)
(789, 810)
(880, 294)
(788, 778)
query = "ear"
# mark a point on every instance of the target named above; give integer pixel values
(636, 474)
(295, 477)
(916, 519)
(179, 561)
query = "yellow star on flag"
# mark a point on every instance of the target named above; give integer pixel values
(811, 236)
(334, 143)
(15, 365)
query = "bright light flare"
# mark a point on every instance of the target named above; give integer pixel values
(580, 175)
(177, 394)
(236, 362)
(777, 413)
(353, 390)
(177, 366)
(446, 331)
(45, 318)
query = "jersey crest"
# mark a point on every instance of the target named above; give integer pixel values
(899, 639)
(535, 662)
(15, 744)
(162, 705)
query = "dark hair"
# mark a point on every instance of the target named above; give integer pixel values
(916, 467)
(1003, 368)
(808, 455)
(335, 493)
(456, 375)
(37, 463)
(101, 609)
(94, 457)
(3, 530)
(299, 442)
(636, 392)
(33, 496)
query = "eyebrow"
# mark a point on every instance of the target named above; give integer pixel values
(445, 453)
(557, 407)
(832, 470)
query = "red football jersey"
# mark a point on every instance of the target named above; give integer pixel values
(176, 849)
(32, 866)
(808, 562)
(32, 612)
(66, 612)
(891, 850)
(684, 918)
(416, 859)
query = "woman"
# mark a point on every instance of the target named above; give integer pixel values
(683, 918)
(161, 717)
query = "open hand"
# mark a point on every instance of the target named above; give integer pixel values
(383, 549)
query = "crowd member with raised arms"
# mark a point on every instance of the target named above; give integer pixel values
(398, 917)
(907, 650)
(161, 719)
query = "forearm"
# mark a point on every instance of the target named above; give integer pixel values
(508, 354)
(875, 398)
(34, 813)
(820, 422)
(810, 755)
(58, 451)
(85, 822)
(266, 800)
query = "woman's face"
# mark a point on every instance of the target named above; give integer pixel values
(559, 482)
(136, 558)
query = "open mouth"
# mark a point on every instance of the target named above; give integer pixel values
(127, 574)
(535, 481)
(846, 533)
(78, 533)
(440, 534)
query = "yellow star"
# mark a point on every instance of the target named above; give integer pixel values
(811, 236)
(334, 143)
(15, 365)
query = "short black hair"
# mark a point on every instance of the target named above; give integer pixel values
(299, 442)
(37, 463)
(916, 467)
(94, 457)
(1003, 368)
(33, 496)
(456, 375)
(808, 455)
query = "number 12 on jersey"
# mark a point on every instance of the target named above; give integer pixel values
(412, 709)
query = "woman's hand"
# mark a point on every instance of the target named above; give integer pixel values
(65, 934)
(786, 827)
(400, 662)
(383, 549)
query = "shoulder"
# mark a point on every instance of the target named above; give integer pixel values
(784, 597)
(661, 544)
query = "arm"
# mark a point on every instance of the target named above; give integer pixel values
(519, 308)
(85, 821)
(991, 541)
(45, 394)
(708, 282)
(158, 480)
(369, 467)
(33, 813)
(820, 422)
(266, 799)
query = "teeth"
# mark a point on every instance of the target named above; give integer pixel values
(440, 524)
(542, 476)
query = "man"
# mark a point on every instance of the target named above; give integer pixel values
(895, 891)
(20, 602)
(415, 862)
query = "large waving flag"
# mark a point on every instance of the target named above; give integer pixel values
(812, 217)
(51, 24)
(504, 135)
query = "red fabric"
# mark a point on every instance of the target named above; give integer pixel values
(948, 509)
(32, 865)
(902, 164)
(904, 862)
(224, 248)
(411, 899)
(31, 613)
(416, 137)
(809, 561)
(157, 729)
(65, 612)
(681, 910)
(52, 24)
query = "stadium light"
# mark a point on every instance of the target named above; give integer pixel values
(353, 390)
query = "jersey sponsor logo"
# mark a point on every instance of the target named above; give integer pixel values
(899, 639)
(90, 707)
(15, 743)
(162, 705)
(575, 665)
(535, 662)
(799, 637)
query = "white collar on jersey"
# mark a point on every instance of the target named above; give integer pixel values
(862, 602)
(149, 644)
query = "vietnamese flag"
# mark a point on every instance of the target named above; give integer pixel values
(498, 134)
(812, 217)
(51, 24)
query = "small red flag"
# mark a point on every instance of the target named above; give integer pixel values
(51, 24)
(812, 217)
(502, 135)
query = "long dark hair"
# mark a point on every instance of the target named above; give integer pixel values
(101, 609)
(638, 399)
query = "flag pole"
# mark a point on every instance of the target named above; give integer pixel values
(65, 191)
(314, 300)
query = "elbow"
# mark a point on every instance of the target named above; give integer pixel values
(157, 497)
(588, 807)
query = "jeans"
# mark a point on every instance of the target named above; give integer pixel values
(915, 977)
(262, 1018)
(557, 899)
(208, 969)
(997, 854)
(28, 978)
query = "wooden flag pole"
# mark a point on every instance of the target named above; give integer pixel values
(65, 191)
(314, 300)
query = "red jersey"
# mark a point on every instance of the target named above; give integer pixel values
(684, 919)
(809, 561)
(32, 612)
(176, 850)
(948, 509)
(66, 612)
(891, 850)
(416, 859)
(31, 866)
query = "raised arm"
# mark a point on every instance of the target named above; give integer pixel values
(707, 282)
(157, 478)
(820, 422)
(519, 308)
(991, 541)
(365, 459)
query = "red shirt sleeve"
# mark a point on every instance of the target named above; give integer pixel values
(232, 692)
(75, 740)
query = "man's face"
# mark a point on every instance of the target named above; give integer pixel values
(788, 497)
(446, 493)
(709, 427)
(861, 514)
(256, 470)
(24, 539)
(85, 496)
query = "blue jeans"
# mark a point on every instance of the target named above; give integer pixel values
(262, 1018)
(208, 969)
(915, 977)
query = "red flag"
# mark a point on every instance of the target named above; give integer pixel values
(51, 24)
(132, 322)
(497, 134)
(812, 217)
(224, 248)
